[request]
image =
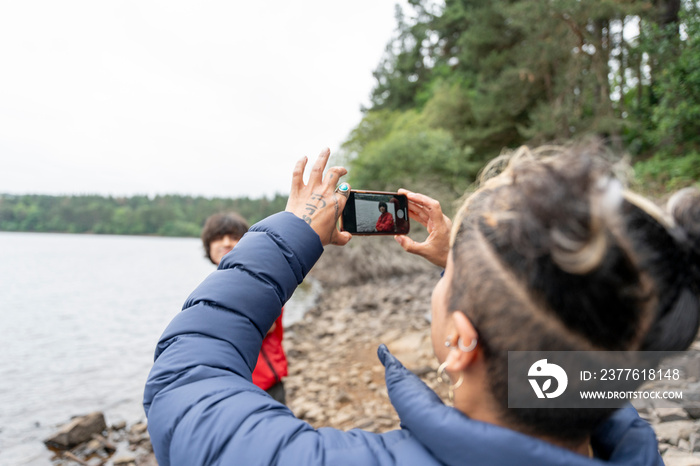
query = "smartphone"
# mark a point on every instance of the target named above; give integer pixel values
(375, 213)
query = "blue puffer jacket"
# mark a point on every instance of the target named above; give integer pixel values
(202, 407)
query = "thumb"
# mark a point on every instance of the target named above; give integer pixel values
(406, 243)
(341, 238)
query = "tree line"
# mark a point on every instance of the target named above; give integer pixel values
(170, 215)
(464, 79)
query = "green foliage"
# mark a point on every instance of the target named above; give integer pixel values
(375, 125)
(413, 155)
(676, 117)
(465, 79)
(661, 173)
(137, 215)
(403, 70)
(450, 108)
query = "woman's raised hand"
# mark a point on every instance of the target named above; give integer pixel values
(428, 212)
(318, 203)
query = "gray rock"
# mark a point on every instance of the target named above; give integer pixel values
(694, 442)
(139, 428)
(672, 414)
(675, 457)
(692, 392)
(77, 431)
(121, 425)
(693, 409)
(343, 397)
(668, 411)
(92, 446)
(125, 460)
(673, 432)
(691, 368)
(642, 406)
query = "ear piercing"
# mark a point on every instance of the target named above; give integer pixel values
(444, 378)
(442, 372)
(460, 344)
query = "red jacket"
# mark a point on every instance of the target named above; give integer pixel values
(385, 222)
(272, 362)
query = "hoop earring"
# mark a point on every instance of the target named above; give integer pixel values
(467, 349)
(451, 389)
(440, 371)
(460, 344)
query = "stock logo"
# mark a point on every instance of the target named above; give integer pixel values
(542, 370)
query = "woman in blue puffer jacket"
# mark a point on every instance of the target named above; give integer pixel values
(549, 255)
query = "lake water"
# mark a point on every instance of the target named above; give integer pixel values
(80, 316)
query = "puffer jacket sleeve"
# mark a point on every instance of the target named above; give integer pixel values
(201, 405)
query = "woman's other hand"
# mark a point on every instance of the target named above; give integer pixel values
(318, 203)
(428, 212)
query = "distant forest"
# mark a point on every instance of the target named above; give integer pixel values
(461, 81)
(137, 215)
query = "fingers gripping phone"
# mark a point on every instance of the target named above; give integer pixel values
(375, 213)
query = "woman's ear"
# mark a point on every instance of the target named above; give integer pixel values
(465, 353)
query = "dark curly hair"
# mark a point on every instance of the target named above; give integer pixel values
(219, 225)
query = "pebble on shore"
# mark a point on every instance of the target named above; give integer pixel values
(86, 440)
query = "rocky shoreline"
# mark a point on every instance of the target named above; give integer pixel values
(336, 380)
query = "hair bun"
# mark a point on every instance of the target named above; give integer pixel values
(676, 326)
(684, 208)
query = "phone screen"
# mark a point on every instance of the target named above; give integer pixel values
(376, 213)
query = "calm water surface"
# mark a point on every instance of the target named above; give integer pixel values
(80, 316)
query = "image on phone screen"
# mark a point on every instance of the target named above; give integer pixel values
(376, 213)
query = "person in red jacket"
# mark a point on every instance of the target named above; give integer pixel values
(220, 234)
(385, 222)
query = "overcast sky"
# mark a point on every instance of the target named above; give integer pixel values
(213, 98)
